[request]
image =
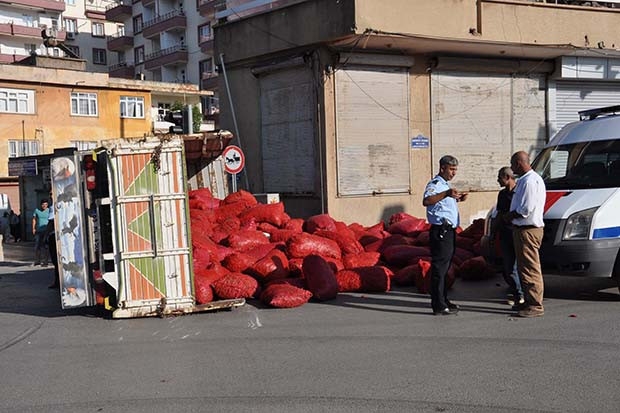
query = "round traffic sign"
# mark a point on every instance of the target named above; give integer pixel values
(234, 159)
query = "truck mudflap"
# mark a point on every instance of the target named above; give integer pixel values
(166, 308)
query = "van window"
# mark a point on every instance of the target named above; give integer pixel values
(580, 165)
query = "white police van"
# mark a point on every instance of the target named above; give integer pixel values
(581, 170)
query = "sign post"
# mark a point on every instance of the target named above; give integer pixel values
(234, 161)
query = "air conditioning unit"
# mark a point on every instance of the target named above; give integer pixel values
(70, 35)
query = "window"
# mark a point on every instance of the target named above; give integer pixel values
(99, 56)
(132, 107)
(16, 101)
(70, 2)
(84, 104)
(138, 55)
(162, 110)
(204, 33)
(30, 21)
(97, 29)
(56, 52)
(137, 24)
(74, 49)
(84, 145)
(70, 25)
(120, 30)
(21, 147)
(206, 67)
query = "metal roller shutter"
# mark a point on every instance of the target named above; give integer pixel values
(482, 119)
(572, 97)
(288, 113)
(372, 130)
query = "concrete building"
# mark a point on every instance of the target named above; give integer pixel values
(169, 41)
(346, 106)
(80, 24)
(52, 105)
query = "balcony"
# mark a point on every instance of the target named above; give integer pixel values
(12, 29)
(6, 58)
(46, 5)
(119, 12)
(94, 11)
(209, 81)
(171, 56)
(146, 3)
(120, 41)
(206, 44)
(208, 8)
(124, 70)
(171, 21)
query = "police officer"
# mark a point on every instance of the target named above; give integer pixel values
(443, 215)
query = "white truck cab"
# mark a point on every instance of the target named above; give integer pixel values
(581, 170)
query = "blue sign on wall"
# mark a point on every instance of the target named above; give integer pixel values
(420, 142)
(22, 167)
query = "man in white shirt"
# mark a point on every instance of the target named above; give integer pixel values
(526, 214)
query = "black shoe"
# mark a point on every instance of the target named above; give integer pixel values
(446, 311)
(453, 306)
(519, 306)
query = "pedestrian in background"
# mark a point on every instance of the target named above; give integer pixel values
(503, 229)
(14, 221)
(40, 218)
(443, 215)
(526, 215)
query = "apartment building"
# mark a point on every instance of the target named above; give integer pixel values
(79, 24)
(48, 103)
(172, 40)
(351, 102)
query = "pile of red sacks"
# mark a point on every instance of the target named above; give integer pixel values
(245, 249)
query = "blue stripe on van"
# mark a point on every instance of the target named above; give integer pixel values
(612, 232)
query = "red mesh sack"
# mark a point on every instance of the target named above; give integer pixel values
(249, 225)
(271, 213)
(200, 193)
(223, 252)
(318, 222)
(399, 216)
(266, 227)
(378, 227)
(370, 241)
(475, 230)
(475, 269)
(302, 245)
(246, 240)
(462, 254)
(335, 264)
(348, 245)
(295, 224)
(202, 290)
(294, 266)
(229, 210)
(343, 229)
(364, 279)
(272, 266)
(284, 296)
(320, 278)
(465, 243)
(240, 196)
(201, 258)
(238, 262)
(363, 259)
(260, 251)
(208, 204)
(422, 276)
(235, 285)
(295, 282)
(407, 226)
(401, 255)
(282, 235)
(406, 275)
(423, 239)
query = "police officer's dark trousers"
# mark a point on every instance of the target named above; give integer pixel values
(443, 243)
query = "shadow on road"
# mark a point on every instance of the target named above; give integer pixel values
(580, 288)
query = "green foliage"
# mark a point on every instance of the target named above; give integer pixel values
(196, 115)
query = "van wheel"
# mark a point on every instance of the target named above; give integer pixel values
(616, 272)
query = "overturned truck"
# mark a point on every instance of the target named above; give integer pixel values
(122, 223)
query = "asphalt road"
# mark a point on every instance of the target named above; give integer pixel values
(359, 353)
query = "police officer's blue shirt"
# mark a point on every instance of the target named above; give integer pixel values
(444, 209)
